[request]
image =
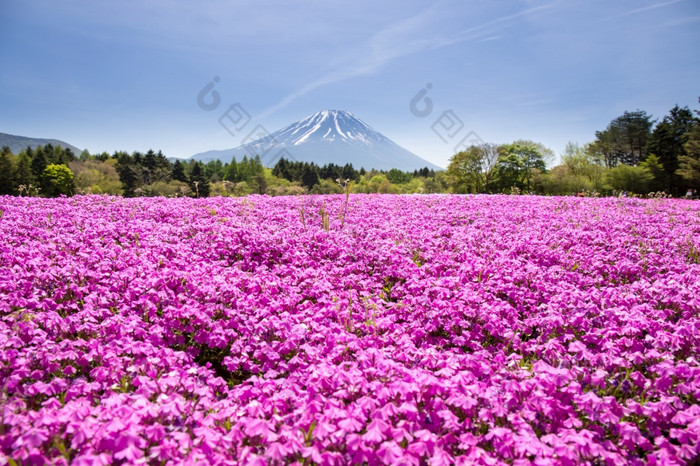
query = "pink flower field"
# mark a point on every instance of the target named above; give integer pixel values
(429, 329)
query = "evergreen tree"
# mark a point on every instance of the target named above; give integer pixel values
(198, 182)
(39, 163)
(281, 169)
(667, 142)
(23, 172)
(625, 139)
(231, 170)
(7, 182)
(214, 170)
(309, 175)
(149, 161)
(349, 173)
(127, 173)
(689, 164)
(69, 155)
(178, 172)
(49, 153)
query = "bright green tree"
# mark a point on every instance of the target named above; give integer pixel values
(474, 169)
(396, 176)
(518, 165)
(656, 168)
(630, 179)
(57, 180)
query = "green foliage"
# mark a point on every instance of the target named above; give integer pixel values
(309, 175)
(172, 188)
(138, 171)
(39, 162)
(562, 180)
(547, 154)
(626, 156)
(668, 141)
(653, 164)
(630, 179)
(7, 170)
(464, 171)
(95, 177)
(397, 176)
(23, 172)
(326, 187)
(57, 180)
(178, 172)
(198, 182)
(689, 164)
(517, 165)
(625, 139)
(474, 169)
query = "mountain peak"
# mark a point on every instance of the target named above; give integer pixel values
(329, 126)
(327, 136)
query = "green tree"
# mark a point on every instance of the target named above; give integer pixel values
(625, 139)
(395, 176)
(518, 165)
(548, 155)
(214, 170)
(129, 173)
(580, 170)
(653, 164)
(178, 173)
(7, 170)
(689, 164)
(199, 184)
(472, 170)
(231, 171)
(39, 162)
(630, 178)
(95, 177)
(57, 180)
(309, 176)
(23, 172)
(667, 141)
(464, 171)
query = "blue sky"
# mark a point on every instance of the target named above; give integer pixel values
(106, 75)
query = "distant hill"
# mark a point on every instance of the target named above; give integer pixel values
(328, 136)
(17, 143)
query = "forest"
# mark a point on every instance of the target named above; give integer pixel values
(633, 155)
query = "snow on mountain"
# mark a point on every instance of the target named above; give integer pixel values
(328, 136)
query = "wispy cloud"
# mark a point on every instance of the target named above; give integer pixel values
(405, 38)
(489, 39)
(389, 43)
(640, 10)
(680, 21)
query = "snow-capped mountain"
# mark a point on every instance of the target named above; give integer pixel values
(328, 136)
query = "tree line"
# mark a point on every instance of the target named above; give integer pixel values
(633, 154)
(52, 171)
